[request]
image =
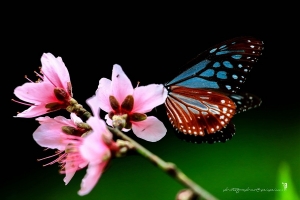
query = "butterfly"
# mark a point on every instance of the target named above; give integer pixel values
(203, 99)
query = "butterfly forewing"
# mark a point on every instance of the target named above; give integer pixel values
(197, 111)
(223, 67)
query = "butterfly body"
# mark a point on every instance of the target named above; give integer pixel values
(203, 98)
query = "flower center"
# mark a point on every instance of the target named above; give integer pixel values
(121, 115)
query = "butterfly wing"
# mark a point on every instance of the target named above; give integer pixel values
(222, 67)
(203, 98)
(222, 135)
(198, 111)
(245, 101)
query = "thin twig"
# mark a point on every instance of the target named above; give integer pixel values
(168, 167)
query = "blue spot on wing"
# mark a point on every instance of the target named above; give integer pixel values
(222, 52)
(208, 73)
(222, 47)
(227, 64)
(190, 72)
(236, 56)
(236, 97)
(222, 75)
(213, 50)
(197, 82)
(216, 64)
(191, 101)
(228, 87)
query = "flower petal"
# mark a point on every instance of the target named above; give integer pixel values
(55, 70)
(148, 97)
(60, 120)
(93, 148)
(36, 93)
(108, 120)
(33, 111)
(95, 151)
(150, 129)
(70, 170)
(103, 92)
(93, 103)
(75, 119)
(91, 177)
(120, 85)
(50, 135)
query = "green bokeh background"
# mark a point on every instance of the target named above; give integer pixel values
(152, 50)
(250, 160)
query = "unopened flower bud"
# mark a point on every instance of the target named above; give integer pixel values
(123, 148)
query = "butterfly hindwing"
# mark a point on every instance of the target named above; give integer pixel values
(222, 135)
(198, 111)
(245, 101)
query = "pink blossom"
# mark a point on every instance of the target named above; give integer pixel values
(95, 149)
(117, 97)
(78, 148)
(51, 134)
(52, 92)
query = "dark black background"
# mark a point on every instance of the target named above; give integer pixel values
(151, 43)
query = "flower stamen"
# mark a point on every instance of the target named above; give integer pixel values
(28, 79)
(61, 155)
(46, 77)
(20, 102)
(39, 75)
